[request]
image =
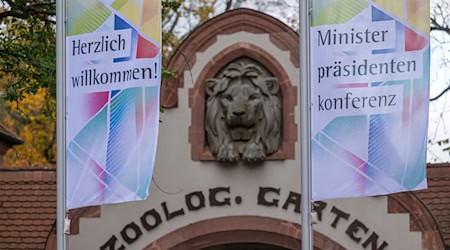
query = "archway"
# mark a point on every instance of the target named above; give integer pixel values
(238, 232)
(245, 246)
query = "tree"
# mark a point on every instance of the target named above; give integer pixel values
(180, 17)
(27, 57)
(33, 119)
(27, 47)
(27, 40)
(28, 77)
(440, 22)
(439, 131)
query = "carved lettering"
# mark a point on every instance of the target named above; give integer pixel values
(111, 244)
(319, 206)
(171, 215)
(339, 214)
(353, 229)
(131, 228)
(156, 217)
(213, 201)
(262, 196)
(373, 241)
(221, 196)
(192, 196)
(295, 199)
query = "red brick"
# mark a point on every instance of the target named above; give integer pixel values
(205, 35)
(28, 207)
(434, 199)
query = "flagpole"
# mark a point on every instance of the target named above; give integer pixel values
(60, 126)
(305, 126)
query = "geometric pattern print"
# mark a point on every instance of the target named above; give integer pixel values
(413, 12)
(336, 11)
(148, 20)
(87, 16)
(111, 158)
(101, 157)
(386, 165)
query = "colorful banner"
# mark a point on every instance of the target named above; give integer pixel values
(369, 94)
(113, 74)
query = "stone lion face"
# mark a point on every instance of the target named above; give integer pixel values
(243, 114)
(242, 106)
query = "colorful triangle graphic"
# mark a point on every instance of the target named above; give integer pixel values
(146, 49)
(414, 41)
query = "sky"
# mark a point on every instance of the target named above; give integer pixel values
(439, 112)
(439, 117)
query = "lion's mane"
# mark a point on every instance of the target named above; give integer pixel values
(268, 129)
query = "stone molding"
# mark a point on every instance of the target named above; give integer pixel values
(420, 218)
(239, 229)
(206, 34)
(197, 138)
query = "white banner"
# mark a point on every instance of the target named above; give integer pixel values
(113, 74)
(369, 94)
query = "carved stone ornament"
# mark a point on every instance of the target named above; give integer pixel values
(243, 113)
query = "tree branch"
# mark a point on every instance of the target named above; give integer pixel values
(31, 10)
(175, 22)
(442, 93)
(9, 2)
(12, 14)
(436, 26)
(228, 5)
(42, 4)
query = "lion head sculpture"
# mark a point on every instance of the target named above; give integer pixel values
(243, 114)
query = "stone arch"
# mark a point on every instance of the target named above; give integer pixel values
(421, 219)
(239, 229)
(206, 34)
(197, 139)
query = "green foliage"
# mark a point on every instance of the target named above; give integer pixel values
(28, 78)
(33, 119)
(169, 5)
(27, 47)
(27, 52)
(28, 65)
(168, 73)
(444, 143)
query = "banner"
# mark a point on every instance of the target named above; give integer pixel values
(369, 95)
(113, 74)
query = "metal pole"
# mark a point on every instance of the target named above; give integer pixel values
(60, 125)
(305, 126)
